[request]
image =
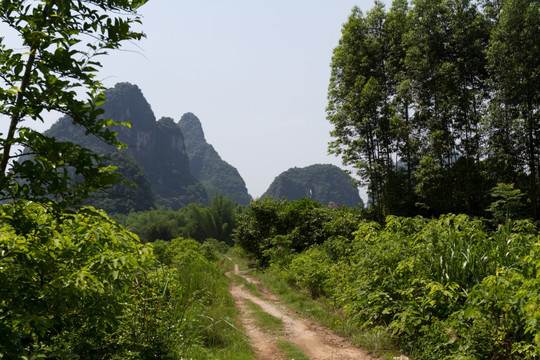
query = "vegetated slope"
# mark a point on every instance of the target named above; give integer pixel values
(324, 183)
(207, 166)
(124, 197)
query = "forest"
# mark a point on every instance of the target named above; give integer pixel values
(434, 104)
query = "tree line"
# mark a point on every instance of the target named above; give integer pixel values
(436, 102)
(195, 221)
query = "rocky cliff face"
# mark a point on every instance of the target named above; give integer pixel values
(324, 183)
(157, 146)
(207, 166)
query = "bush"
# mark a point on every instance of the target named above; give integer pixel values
(311, 270)
(64, 280)
(447, 288)
(290, 227)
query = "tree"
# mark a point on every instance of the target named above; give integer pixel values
(507, 202)
(406, 97)
(359, 104)
(54, 69)
(514, 61)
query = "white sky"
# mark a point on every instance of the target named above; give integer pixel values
(254, 72)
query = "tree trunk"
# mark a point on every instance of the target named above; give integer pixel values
(532, 164)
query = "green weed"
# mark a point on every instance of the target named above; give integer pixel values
(265, 321)
(292, 351)
(252, 288)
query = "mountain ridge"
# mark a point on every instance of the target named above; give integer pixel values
(157, 146)
(207, 165)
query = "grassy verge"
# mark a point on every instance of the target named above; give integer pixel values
(264, 320)
(252, 288)
(378, 341)
(292, 351)
(197, 286)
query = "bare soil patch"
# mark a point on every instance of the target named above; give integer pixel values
(316, 341)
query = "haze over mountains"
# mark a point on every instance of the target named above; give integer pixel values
(172, 163)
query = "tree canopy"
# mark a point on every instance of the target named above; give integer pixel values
(54, 69)
(435, 102)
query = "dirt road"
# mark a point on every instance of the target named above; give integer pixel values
(316, 341)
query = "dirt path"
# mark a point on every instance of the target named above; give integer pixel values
(316, 341)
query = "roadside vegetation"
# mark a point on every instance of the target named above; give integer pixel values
(267, 322)
(81, 286)
(291, 350)
(75, 284)
(452, 287)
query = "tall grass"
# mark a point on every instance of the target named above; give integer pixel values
(186, 308)
(264, 320)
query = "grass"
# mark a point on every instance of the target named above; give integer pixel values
(214, 320)
(264, 320)
(252, 288)
(292, 351)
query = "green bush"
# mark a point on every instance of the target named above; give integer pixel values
(270, 229)
(311, 270)
(447, 288)
(64, 280)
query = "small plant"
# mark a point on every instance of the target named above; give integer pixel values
(508, 202)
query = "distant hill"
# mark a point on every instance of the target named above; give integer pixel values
(207, 166)
(324, 183)
(156, 156)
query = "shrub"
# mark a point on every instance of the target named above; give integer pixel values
(64, 280)
(310, 270)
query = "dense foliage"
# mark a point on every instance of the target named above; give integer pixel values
(195, 221)
(276, 229)
(64, 281)
(446, 288)
(327, 184)
(435, 102)
(80, 286)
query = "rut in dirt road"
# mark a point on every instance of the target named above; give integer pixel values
(316, 341)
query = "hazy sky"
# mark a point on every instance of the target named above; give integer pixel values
(254, 72)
